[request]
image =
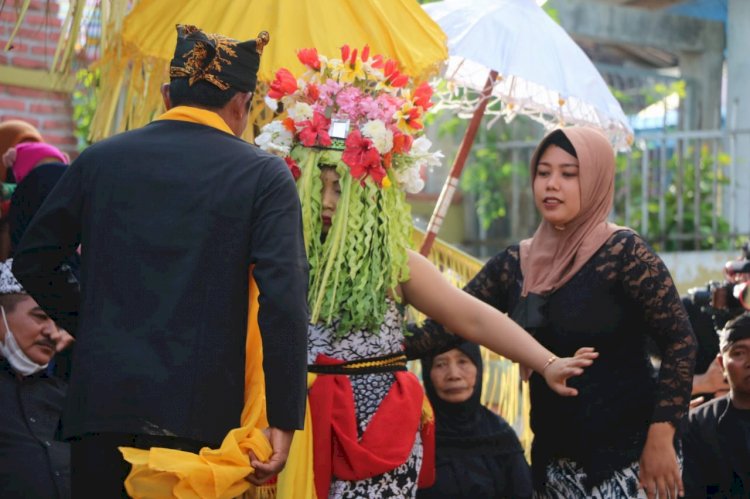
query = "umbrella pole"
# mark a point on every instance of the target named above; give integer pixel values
(449, 188)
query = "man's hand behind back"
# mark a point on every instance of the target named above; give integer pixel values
(280, 441)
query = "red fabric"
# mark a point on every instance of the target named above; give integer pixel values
(427, 471)
(387, 441)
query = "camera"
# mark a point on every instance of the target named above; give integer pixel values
(726, 300)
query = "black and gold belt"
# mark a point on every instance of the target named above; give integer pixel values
(386, 363)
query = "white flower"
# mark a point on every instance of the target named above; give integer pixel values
(301, 111)
(420, 152)
(274, 138)
(382, 138)
(410, 179)
(271, 103)
(421, 145)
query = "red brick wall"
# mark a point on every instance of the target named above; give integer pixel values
(34, 48)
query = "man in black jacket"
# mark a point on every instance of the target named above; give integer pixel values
(34, 463)
(717, 442)
(170, 218)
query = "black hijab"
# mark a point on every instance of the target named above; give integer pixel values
(468, 426)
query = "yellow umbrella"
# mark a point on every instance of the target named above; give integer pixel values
(136, 60)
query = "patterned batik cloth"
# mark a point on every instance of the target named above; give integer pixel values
(565, 479)
(369, 390)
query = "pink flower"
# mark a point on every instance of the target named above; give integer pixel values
(389, 105)
(363, 158)
(328, 91)
(314, 131)
(348, 101)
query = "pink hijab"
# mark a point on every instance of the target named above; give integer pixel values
(552, 257)
(30, 154)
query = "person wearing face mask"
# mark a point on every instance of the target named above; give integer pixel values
(477, 453)
(581, 280)
(34, 464)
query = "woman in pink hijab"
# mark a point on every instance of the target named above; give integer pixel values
(581, 280)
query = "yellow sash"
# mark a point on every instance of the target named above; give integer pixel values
(213, 473)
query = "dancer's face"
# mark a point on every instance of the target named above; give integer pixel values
(453, 375)
(557, 190)
(330, 196)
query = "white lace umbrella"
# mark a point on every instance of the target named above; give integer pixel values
(508, 57)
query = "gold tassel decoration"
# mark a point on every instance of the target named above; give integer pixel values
(265, 491)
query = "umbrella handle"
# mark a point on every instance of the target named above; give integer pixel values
(451, 183)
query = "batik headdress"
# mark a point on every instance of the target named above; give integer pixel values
(223, 62)
(360, 115)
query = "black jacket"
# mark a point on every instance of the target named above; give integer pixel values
(716, 449)
(170, 217)
(34, 463)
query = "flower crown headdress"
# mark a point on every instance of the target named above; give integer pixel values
(363, 117)
(360, 104)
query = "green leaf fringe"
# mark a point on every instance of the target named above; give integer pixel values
(363, 258)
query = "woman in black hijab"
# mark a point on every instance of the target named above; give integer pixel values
(477, 454)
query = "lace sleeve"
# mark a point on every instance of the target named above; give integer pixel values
(647, 280)
(490, 285)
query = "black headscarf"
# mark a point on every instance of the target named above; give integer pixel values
(468, 426)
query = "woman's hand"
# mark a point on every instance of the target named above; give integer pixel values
(557, 372)
(660, 474)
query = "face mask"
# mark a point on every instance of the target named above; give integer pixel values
(14, 355)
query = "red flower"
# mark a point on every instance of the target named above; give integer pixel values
(377, 61)
(289, 124)
(388, 159)
(315, 130)
(392, 76)
(293, 167)
(284, 84)
(402, 142)
(312, 93)
(309, 57)
(344, 53)
(422, 96)
(365, 53)
(363, 158)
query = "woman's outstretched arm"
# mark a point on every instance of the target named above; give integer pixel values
(476, 321)
(491, 285)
